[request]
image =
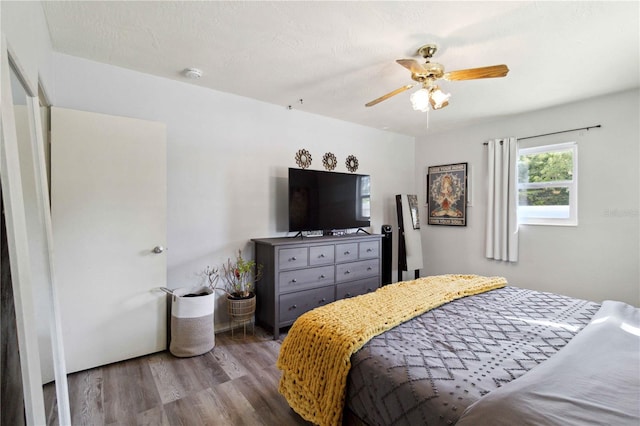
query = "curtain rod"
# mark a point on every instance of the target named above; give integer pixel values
(555, 133)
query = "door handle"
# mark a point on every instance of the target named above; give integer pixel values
(158, 249)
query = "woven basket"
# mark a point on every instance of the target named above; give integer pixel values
(192, 331)
(242, 309)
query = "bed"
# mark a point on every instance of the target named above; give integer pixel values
(494, 355)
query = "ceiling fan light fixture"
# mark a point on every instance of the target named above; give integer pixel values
(431, 95)
(420, 100)
(437, 98)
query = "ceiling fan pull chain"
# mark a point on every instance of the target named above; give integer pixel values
(428, 117)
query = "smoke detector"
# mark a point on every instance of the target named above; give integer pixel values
(193, 73)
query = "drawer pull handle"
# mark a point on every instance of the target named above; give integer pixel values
(323, 300)
(347, 295)
(346, 253)
(294, 281)
(321, 255)
(322, 277)
(293, 259)
(369, 250)
(369, 268)
(369, 290)
(347, 271)
(294, 307)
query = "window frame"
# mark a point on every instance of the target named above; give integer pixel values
(572, 186)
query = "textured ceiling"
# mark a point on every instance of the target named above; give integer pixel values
(337, 56)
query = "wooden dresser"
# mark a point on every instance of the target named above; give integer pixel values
(302, 274)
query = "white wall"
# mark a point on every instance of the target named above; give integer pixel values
(228, 158)
(25, 27)
(597, 260)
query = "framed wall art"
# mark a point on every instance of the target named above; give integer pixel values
(447, 195)
(469, 189)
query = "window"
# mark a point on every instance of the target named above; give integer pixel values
(548, 185)
(364, 197)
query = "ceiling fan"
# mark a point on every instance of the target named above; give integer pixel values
(428, 73)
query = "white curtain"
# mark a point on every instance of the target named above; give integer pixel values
(502, 218)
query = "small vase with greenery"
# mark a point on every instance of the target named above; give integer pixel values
(240, 276)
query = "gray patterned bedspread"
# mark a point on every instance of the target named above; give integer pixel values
(593, 380)
(429, 369)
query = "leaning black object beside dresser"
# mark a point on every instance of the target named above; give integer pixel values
(302, 274)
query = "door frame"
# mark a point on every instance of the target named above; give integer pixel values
(18, 242)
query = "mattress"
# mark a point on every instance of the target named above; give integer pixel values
(428, 370)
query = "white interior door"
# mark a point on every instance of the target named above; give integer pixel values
(108, 195)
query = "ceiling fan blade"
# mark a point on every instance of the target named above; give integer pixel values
(412, 65)
(388, 95)
(475, 73)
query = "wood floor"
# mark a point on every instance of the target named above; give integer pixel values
(234, 384)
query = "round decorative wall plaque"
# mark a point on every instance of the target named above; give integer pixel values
(352, 163)
(303, 158)
(329, 161)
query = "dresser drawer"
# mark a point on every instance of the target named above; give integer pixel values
(356, 288)
(346, 252)
(357, 270)
(321, 255)
(293, 258)
(301, 274)
(369, 249)
(293, 305)
(301, 279)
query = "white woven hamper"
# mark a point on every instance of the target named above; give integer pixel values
(192, 330)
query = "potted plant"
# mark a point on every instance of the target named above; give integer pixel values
(239, 277)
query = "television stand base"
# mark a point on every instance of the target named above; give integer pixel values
(308, 234)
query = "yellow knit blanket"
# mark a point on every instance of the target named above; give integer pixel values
(315, 357)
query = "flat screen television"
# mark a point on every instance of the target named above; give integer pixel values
(325, 201)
